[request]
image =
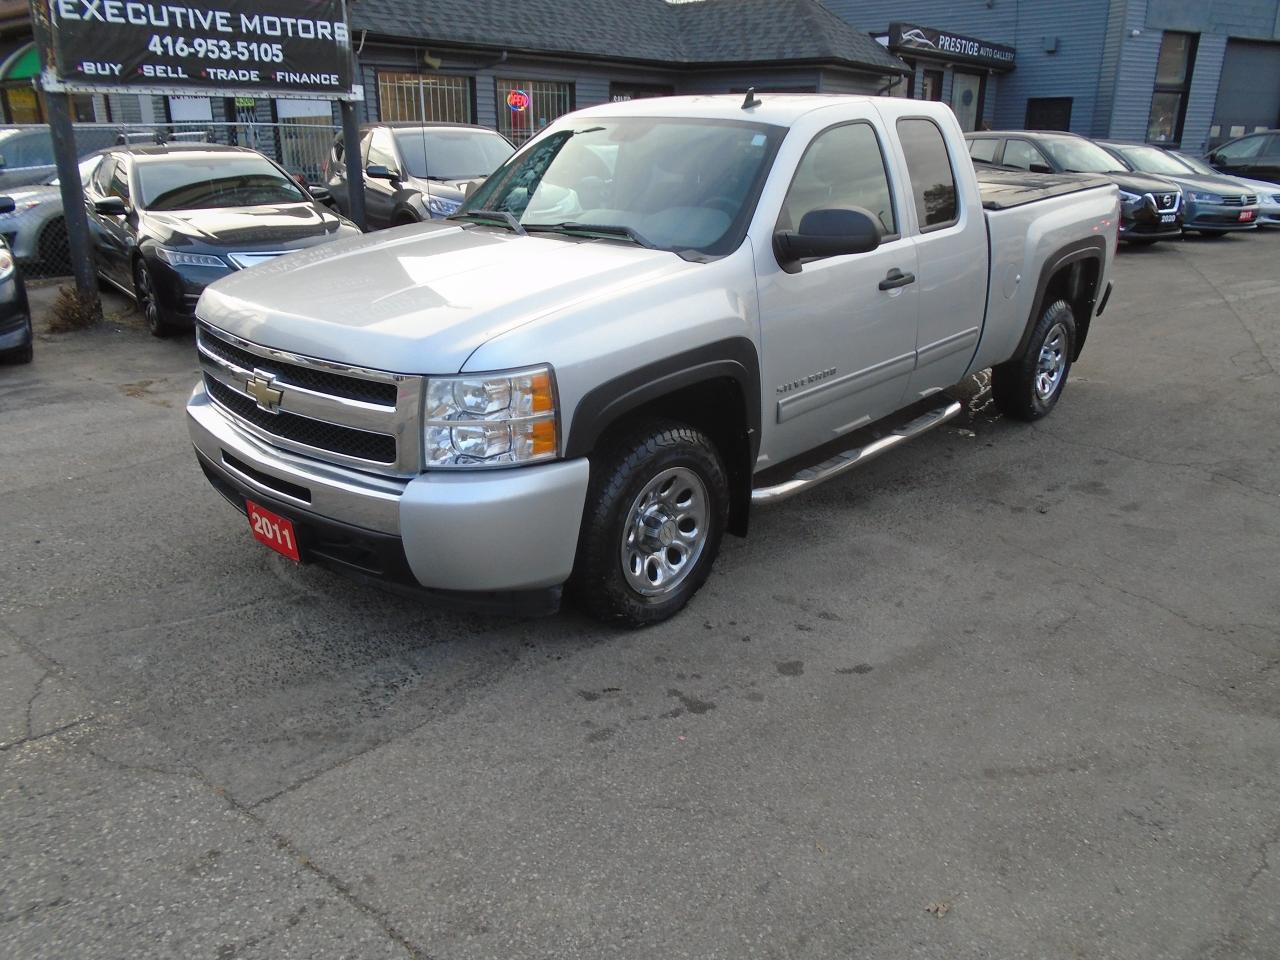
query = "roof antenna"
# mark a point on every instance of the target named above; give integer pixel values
(751, 100)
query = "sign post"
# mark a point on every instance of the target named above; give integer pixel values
(218, 48)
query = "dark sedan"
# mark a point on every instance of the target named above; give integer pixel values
(169, 220)
(1151, 208)
(1255, 156)
(1214, 205)
(16, 337)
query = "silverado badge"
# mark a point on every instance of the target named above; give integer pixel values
(263, 390)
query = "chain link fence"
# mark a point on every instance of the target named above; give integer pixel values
(36, 231)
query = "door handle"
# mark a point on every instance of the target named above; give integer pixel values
(896, 278)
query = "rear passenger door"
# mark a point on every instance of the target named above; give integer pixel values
(947, 226)
(838, 333)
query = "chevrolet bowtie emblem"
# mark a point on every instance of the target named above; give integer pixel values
(262, 389)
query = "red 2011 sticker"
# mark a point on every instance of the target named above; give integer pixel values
(273, 530)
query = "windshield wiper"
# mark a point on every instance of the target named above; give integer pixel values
(501, 216)
(602, 229)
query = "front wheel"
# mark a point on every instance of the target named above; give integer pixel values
(656, 511)
(1028, 386)
(144, 292)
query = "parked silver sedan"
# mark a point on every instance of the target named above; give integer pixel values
(35, 229)
(1268, 193)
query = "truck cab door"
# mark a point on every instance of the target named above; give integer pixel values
(837, 334)
(949, 232)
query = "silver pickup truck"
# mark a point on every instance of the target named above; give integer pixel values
(653, 318)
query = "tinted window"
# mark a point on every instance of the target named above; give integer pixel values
(932, 181)
(102, 177)
(1272, 149)
(1154, 160)
(1076, 155)
(199, 181)
(984, 149)
(1242, 149)
(119, 185)
(451, 154)
(381, 150)
(843, 168)
(1021, 154)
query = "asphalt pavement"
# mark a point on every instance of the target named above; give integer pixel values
(1010, 691)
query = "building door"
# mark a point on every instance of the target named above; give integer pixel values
(1048, 113)
(931, 85)
(1248, 91)
(966, 98)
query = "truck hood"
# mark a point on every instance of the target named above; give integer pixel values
(420, 299)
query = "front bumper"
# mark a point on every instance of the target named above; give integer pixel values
(478, 533)
(15, 315)
(1218, 217)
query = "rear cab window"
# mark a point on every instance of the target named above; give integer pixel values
(984, 149)
(933, 181)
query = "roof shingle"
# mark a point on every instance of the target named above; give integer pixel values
(699, 33)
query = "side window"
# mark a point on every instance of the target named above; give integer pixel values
(932, 180)
(842, 168)
(102, 176)
(119, 185)
(1021, 154)
(1272, 149)
(382, 150)
(1242, 149)
(364, 147)
(984, 149)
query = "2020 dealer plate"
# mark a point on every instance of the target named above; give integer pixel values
(273, 530)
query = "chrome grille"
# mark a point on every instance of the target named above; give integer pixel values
(1166, 202)
(1247, 200)
(352, 416)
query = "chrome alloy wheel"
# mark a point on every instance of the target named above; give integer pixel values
(665, 531)
(1052, 365)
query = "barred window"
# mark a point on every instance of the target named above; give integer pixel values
(430, 98)
(527, 106)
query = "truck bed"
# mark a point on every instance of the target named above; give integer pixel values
(1002, 188)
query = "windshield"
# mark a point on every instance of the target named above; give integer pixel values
(1197, 165)
(1153, 160)
(675, 184)
(197, 181)
(451, 154)
(1079, 156)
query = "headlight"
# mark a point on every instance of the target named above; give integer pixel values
(442, 206)
(1206, 197)
(1126, 197)
(491, 419)
(179, 258)
(6, 265)
(20, 208)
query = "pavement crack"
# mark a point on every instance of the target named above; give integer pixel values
(1262, 354)
(1264, 857)
(36, 738)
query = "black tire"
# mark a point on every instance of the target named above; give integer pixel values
(1213, 234)
(144, 294)
(1017, 385)
(53, 247)
(642, 458)
(24, 354)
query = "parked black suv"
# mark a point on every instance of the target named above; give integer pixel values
(16, 337)
(415, 172)
(1151, 208)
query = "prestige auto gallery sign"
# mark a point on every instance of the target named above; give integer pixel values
(299, 46)
(951, 46)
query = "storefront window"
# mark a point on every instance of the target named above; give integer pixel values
(966, 99)
(527, 106)
(1173, 82)
(428, 99)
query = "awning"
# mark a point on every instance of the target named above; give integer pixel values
(22, 63)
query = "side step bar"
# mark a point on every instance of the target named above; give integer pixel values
(843, 462)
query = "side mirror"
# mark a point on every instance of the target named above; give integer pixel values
(378, 171)
(827, 233)
(1040, 168)
(319, 193)
(7, 205)
(111, 206)
(1215, 159)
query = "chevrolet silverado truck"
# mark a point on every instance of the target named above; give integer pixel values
(652, 319)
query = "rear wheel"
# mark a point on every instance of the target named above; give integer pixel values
(1028, 386)
(657, 507)
(144, 292)
(53, 248)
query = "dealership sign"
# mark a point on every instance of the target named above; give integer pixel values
(909, 38)
(217, 47)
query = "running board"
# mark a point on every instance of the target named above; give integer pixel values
(843, 462)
